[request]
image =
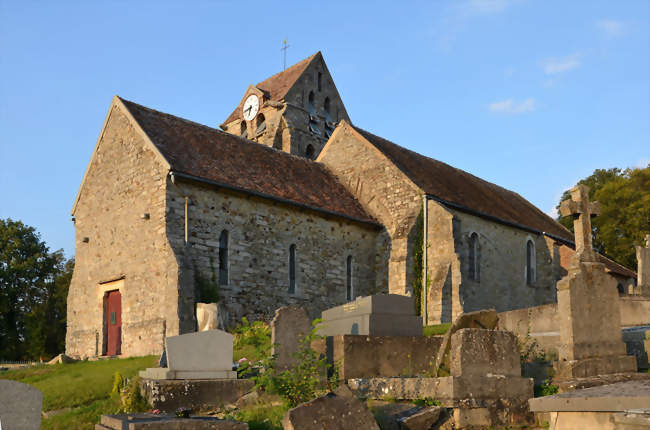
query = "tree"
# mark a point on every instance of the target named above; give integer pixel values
(624, 197)
(33, 290)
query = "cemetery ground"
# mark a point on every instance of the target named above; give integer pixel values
(76, 395)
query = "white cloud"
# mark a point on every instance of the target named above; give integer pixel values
(611, 27)
(553, 66)
(510, 106)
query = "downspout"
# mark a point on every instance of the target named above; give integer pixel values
(425, 248)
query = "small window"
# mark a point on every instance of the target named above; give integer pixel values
(309, 152)
(223, 258)
(348, 279)
(474, 261)
(261, 124)
(244, 130)
(113, 318)
(620, 289)
(531, 263)
(312, 109)
(292, 269)
(320, 81)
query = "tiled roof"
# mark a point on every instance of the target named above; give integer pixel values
(219, 157)
(464, 190)
(458, 187)
(277, 86)
(567, 253)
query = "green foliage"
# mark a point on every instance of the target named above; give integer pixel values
(33, 292)
(252, 341)
(418, 262)
(624, 197)
(529, 350)
(435, 330)
(131, 398)
(546, 389)
(262, 416)
(427, 401)
(301, 383)
(84, 386)
(118, 383)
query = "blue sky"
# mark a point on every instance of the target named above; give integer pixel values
(531, 95)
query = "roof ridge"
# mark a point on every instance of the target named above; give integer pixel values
(293, 66)
(437, 161)
(243, 139)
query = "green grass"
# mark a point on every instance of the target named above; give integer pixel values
(262, 416)
(84, 386)
(434, 330)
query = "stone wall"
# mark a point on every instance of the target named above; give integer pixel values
(260, 234)
(502, 258)
(118, 247)
(384, 191)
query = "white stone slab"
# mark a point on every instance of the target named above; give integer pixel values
(20, 406)
(209, 350)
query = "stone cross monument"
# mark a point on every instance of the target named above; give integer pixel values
(643, 268)
(590, 318)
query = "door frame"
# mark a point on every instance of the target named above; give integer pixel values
(103, 289)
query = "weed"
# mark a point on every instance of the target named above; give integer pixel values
(546, 389)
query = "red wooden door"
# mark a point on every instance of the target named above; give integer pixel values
(113, 320)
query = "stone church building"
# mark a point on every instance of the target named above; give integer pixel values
(290, 203)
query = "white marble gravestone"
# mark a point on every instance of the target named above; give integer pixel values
(200, 355)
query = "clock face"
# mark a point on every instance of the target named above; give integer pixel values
(251, 106)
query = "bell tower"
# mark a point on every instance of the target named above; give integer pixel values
(295, 110)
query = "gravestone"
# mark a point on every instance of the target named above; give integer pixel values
(200, 355)
(643, 268)
(377, 315)
(338, 410)
(485, 319)
(20, 406)
(289, 326)
(590, 322)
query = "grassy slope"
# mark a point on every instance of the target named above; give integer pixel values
(84, 386)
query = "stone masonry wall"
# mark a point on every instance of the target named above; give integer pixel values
(502, 256)
(260, 234)
(125, 180)
(384, 191)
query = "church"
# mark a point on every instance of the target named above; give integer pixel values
(290, 202)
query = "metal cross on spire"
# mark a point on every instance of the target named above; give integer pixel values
(284, 53)
(582, 210)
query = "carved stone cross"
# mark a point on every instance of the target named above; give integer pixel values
(579, 207)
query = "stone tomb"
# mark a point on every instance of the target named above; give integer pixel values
(377, 315)
(200, 355)
(20, 406)
(590, 322)
(147, 421)
(625, 405)
(485, 385)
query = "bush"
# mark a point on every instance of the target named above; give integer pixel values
(252, 341)
(304, 381)
(546, 389)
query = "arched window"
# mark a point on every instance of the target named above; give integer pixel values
(320, 81)
(223, 258)
(292, 269)
(261, 124)
(313, 121)
(620, 288)
(243, 130)
(348, 279)
(531, 263)
(474, 258)
(309, 152)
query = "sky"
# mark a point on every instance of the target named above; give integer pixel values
(531, 95)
